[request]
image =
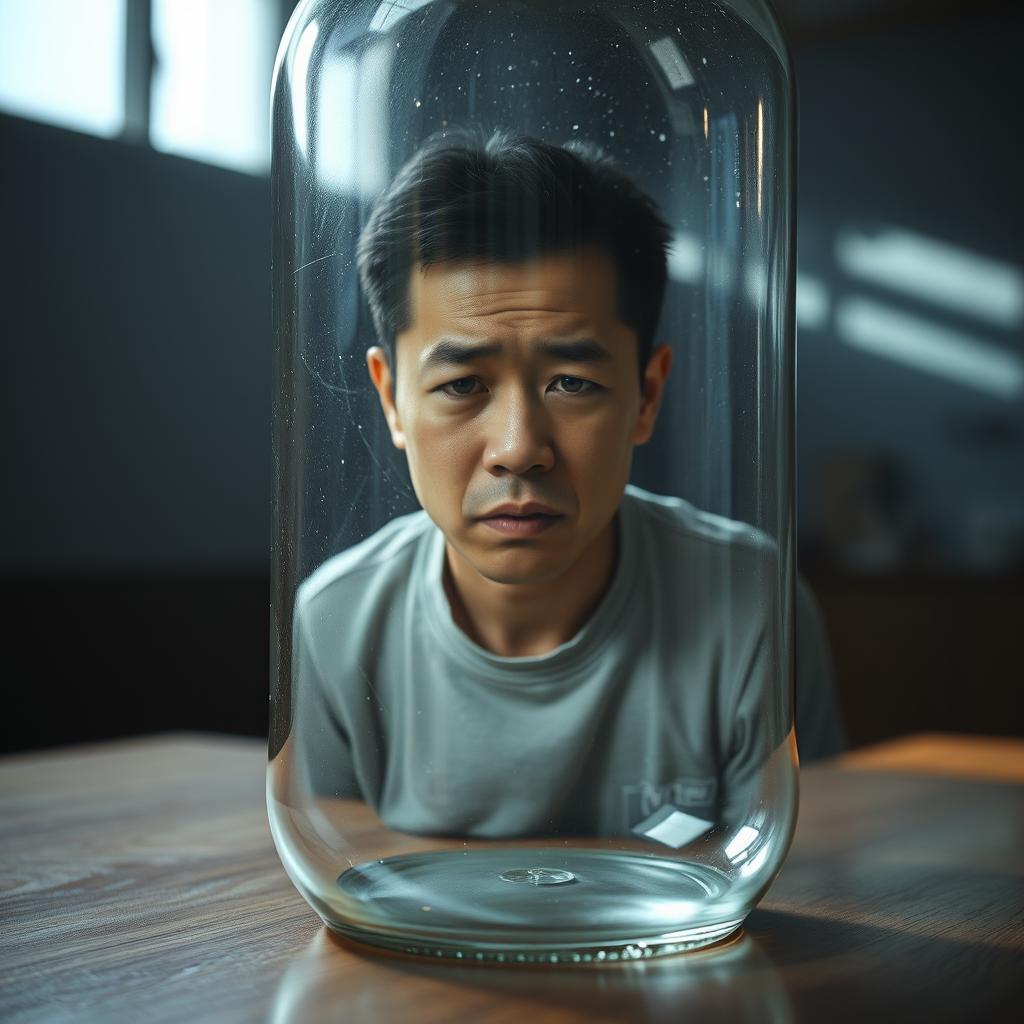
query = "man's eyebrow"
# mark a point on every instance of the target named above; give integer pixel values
(584, 350)
(450, 351)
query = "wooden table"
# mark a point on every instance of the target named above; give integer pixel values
(139, 883)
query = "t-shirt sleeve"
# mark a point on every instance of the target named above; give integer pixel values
(819, 728)
(754, 729)
(323, 747)
(757, 721)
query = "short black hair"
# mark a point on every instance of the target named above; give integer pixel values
(507, 199)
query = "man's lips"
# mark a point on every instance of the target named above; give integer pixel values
(528, 510)
(521, 519)
(521, 525)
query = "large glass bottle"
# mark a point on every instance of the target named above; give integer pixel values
(532, 616)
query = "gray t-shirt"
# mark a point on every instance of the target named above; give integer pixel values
(664, 698)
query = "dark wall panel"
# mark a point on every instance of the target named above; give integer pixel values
(135, 397)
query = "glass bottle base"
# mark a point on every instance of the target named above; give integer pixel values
(544, 905)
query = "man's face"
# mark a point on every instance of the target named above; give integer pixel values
(517, 383)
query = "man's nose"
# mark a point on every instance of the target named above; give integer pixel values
(518, 434)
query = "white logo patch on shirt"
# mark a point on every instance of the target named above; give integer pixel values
(643, 799)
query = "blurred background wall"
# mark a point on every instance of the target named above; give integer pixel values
(135, 389)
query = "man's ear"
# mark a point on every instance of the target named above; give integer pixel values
(653, 390)
(383, 380)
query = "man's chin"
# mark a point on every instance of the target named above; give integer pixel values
(518, 568)
(516, 579)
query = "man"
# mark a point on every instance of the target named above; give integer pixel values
(543, 648)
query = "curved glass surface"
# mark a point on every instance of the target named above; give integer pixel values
(533, 546)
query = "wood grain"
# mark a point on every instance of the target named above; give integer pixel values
(974, 757)
(139, 883)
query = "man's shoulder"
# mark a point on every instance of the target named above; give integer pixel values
(677, 520)
(385, 557)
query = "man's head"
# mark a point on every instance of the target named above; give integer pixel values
(516, 288)
(511, 200)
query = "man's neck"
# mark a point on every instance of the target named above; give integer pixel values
(526, 620)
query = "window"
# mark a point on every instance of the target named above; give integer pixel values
(202, 90)
(211, 83)
(63, 61)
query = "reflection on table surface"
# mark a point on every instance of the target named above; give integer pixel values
(140, 881)
(734, 982)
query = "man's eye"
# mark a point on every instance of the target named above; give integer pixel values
(460, 388)
(576, 385)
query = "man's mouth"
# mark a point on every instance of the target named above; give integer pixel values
(521, 525)
(532, 515)
(522, 510)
